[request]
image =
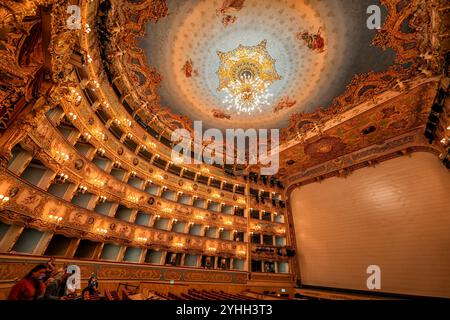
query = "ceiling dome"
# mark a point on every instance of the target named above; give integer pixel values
(183, 48)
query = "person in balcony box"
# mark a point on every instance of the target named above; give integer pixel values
(223, 263)
(208, 263)
(56, 285)
(32, 286)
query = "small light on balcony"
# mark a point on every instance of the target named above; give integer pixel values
(82, 189)
(55, 218)
(101, 230)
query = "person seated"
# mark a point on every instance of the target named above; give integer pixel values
(173, 260)
(91, 291)
(56, 285)
(93, 285)
(32, 286)
(208, 263)
(85, 295)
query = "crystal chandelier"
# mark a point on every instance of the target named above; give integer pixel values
(245, 75)
(247, 94)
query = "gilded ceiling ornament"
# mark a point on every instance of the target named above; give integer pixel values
(245, 74)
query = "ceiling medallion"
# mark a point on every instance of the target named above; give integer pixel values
(245, 74)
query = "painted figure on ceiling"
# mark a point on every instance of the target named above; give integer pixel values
(284, 103)
(228, 19)
(314, 42)
(230, 6)
(219, 114)
(188, 69)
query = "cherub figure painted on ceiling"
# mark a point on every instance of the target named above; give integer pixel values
(228, 19)
(188, 69)
(284, 103)
(314, 42)
(219, 114)
(229, 7)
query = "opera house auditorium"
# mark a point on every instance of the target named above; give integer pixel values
(224, 149)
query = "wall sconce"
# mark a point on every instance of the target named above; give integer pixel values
(72, 116)
(101, 152)
(157, 217)
(87, 28)
(101, 199)
(55, 218)
(133, 174)
(61, 178)
(61, 156)
(174, 220)
(133, 198)
(99, 182)
(76, 95)
(81, 189)
(100, 134)
(3, 199)
(101, 230)
(86, 137)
